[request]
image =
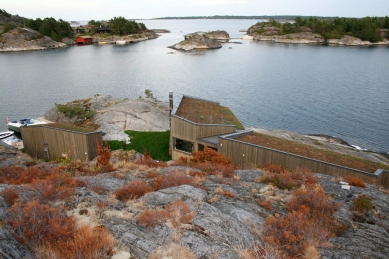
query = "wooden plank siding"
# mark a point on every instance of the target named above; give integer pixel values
(248, 155)
(79, 145)
(190, 131)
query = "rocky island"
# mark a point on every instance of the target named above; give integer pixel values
(202, 40)
(21, 34)
(305, 32)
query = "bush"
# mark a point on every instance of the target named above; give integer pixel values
(72, 110)
(355, 181)
(52, 234)
(177, 213)
(47, 190)
(103, 158)
(151, 218)
(148, 161)
(284, 179)
(212, 162)
(362, 204)
(171, 179)
(310, 222)
(133, 190)
(314, 198)
(36, 224)
(10, 196)
(267, 205)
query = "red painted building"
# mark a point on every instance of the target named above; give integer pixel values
(84, 40)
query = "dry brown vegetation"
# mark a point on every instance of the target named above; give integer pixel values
(52, 234)
(285, 179)
(177, 213)
(355, 181)
(133, 190)
(312, 152)
(309, 223)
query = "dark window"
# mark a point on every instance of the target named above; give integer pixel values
(183, 145)
(200, 147)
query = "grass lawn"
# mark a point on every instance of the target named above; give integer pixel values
(312, 152)
(156, 144)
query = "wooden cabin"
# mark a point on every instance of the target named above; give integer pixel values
(196, 123)
(50, 142)
(84, 40)
(103, 30)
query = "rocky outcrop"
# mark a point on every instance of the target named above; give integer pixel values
(160, 31)
(353, 41)
(302, 37)
(21, 39)
(218, 35)
(113, 116)
(132, 38)
(202, 40)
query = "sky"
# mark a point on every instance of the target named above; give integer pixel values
(86, 10)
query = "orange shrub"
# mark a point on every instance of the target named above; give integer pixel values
(36, 223)
(267, 205)
(10, 196)
(148, 161)
(314, 198)
(177, 212)
(52, 234)
(355, 181)
(171, 179)
(284, 179)
(228, 194)
(86, 243)
(48, 190)
(103, 155)
(212, 162)
(133, 190)
(20, 175)
(152, 218)
(310, 222)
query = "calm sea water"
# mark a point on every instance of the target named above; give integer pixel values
(338, 91)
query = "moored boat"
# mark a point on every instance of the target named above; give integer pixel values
(16, 124)
(5, 134)
(120, 42)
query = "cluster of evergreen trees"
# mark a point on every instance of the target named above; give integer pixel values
(119, 26)
(52, 28)
(367, 28)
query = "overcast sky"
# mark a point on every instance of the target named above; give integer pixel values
(85, 10)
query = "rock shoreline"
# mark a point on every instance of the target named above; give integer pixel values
(26, 39)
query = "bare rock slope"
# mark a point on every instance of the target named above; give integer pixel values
(21, 39)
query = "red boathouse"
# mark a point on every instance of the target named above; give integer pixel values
(84, 40)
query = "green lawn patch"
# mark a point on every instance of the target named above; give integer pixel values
(156, 144)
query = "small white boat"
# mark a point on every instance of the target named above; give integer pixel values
(5, 134)
(16, 124)
(120, 42)
(12, 141)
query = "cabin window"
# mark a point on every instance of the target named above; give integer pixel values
(183, 145)
(200, 147)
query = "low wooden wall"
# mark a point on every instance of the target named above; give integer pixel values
(245, 154)
(58, 141)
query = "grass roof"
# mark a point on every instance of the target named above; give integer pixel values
(206, 112)
(312, 152)
(69, 127)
